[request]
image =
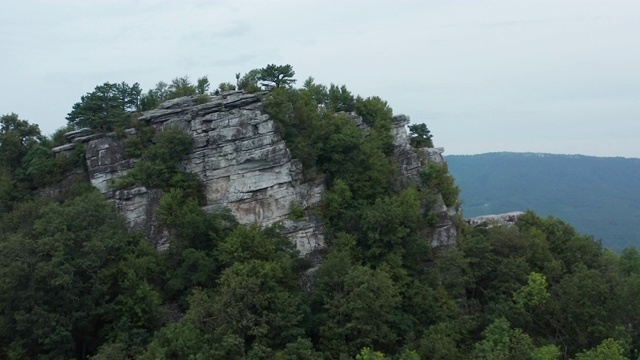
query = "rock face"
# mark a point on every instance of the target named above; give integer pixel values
(244, 165)
(410, 161)
(488, 221)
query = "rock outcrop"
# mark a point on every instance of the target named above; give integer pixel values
(244, 165)
(506, 219)
(410, 161)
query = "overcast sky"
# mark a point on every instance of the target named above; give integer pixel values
(542, 76)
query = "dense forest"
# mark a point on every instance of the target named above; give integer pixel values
(74, 284)
(598, 196)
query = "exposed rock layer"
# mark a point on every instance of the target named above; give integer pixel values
(488, 221)
(409, 161)
(244, 165)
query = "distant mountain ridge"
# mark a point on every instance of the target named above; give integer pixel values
(599, 196)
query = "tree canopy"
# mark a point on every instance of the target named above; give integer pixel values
(74, 284)
(275, 76)
(107, 107)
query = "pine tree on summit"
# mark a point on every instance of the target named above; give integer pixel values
(106, 108)
(275, 76)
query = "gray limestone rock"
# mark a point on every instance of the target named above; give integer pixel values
(71, 135)
(244, 165)
(409, 161)
(63, 149)
(507, 219)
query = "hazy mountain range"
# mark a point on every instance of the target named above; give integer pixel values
(598, 196)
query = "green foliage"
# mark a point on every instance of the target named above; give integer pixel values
(502, 342)
(7, 191)
(368, 354)
(253, 309)
(318, 92)
(340, 99)
(629, 261)
(296, 211)
(181, 86)
(159, 164)
(67, 275)
(437, 177)
(534, 293)
(299, 122)
(57, 138)
(26, 161)
(226, 86)
(420, 136)
(154, 96)
(597, 196)
(547, 352)
(253, 243)
(609, 349)
(106, 108)
(135, 144)
(39, 165)
(360, 312)
(74, 284)
(202, 99)
(202, 85)
(374, 111)
(301, 349)
(439, 342)
(583, 308)
(194, 228)
(178, 87)
(276, 76)
(16, 138)
(249, 81)
(389, 227)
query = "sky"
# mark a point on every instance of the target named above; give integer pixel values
(545, 76)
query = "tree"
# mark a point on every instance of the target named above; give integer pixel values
(368, 354)
(373, 110)
(202, 86)
(226, 86)
(609, 349)
(317, 91)
(501, 343)
(249, 81)
(437, 177)
(420, 136)
(582, 309)
(275, 76)
(16, 139)
(158, 167)
(106, 108)
(70, 275)
(39, 165)
(534, 293)
(340, 99)
(154, 96)
(129, 96)
(361, 312)
(180, 87)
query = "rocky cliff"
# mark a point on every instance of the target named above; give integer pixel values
(244, 165)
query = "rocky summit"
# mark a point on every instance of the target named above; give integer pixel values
(244, 165)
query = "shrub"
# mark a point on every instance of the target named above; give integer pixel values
(158, 166)
(420, 136)
(296, 211)
(437, 177)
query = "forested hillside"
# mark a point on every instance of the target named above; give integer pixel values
(74, 284)
(599, 196)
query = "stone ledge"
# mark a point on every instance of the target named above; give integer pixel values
(488, 221)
